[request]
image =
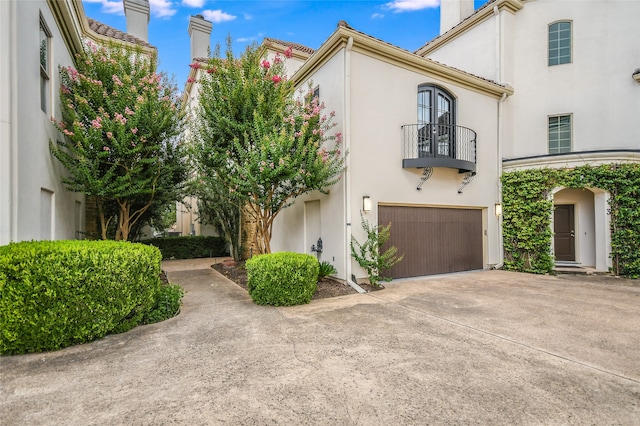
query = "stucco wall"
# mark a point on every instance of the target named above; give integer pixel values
(36, 168)
(596, 88)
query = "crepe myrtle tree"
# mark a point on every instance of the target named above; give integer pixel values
(260, 140)
(119, 124)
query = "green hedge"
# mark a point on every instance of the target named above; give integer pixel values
(282, 279)
(189, 247)
(55, 294)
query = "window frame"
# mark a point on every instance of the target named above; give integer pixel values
(558, 57)
(436, 139)
(45, 69)
(559, 149)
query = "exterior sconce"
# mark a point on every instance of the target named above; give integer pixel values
(366, 204)
(498, 209)
(317, 247)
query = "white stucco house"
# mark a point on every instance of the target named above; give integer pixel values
(36, 38)
(515, 84)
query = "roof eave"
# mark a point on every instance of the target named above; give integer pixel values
(397, 56)
(478, 17)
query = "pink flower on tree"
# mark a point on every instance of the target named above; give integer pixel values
(195, 65)
(134, 130)
(288, 53)
(128, 111)
(109, 135)
(276, 79)
(97, 123)
(266, 65)
(106, 148)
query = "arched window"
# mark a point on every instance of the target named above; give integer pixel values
(436, 121)
(560, 43)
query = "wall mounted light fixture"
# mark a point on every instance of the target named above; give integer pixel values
(366, 204)
(498, 209)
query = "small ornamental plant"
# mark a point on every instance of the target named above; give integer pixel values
(368, 254)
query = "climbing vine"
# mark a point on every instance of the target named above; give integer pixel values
(527, 212)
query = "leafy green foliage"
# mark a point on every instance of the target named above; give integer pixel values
(167, 305)
(55, 294)
(119, 124)
(282, 279)
(368, 253)
(527, 212)
(326, 269)
(255, 141)
(189, 247)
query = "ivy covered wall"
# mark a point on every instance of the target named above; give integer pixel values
(527, 212)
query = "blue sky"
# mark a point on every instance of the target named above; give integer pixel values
(405, 23)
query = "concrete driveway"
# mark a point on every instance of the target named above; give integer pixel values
(488, 347)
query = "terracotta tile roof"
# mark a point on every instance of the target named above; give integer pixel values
(295, 46)
(107, 31)
(487, 4)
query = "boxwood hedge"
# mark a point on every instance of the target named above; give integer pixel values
(189, 247)
(282, 279)
(55, 294)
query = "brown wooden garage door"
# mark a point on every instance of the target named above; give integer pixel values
(433, 240)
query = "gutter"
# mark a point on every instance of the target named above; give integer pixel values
(347, 171)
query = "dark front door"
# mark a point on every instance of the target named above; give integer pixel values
(564, 229)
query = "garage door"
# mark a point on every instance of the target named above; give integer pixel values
(433, 240)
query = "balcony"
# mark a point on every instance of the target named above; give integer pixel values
(439, 145)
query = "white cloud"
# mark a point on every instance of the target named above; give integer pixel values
(377, 16)
(193, 3)
(217, 16)
(250, 38)
(247, 16)
(411, 5)
(109, 6)
(162, 8)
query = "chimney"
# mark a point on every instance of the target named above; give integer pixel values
(200, 34)
(452, 12)
(137, 13)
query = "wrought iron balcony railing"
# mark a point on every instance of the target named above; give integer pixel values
(439, 145)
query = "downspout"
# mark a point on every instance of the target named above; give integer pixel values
(499, 161)
(347, 171)
(498, 68)
(499, 77)
(13, 96)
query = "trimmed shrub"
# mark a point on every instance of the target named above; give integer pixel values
(168, 301)
(55, 294)
(282, 279)
(189, 247)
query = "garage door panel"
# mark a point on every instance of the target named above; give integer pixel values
(433, 240)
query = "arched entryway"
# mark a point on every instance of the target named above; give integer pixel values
(581, 227)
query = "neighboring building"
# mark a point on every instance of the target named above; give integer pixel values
(36, 38)
(545, 84)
